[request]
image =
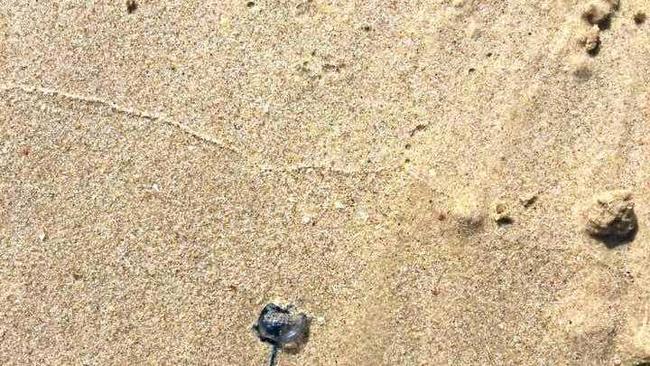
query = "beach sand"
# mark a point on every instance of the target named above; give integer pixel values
(416, 176)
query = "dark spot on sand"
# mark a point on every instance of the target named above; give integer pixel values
(640, 18)
(418, 128)
(131, 6)
(504, 221)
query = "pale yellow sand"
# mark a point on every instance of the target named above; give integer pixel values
(167, 172)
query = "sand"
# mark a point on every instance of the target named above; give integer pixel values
(413, 175)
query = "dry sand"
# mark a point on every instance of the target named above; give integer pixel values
(168, 168)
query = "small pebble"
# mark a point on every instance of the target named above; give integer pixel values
(362, 215)
(306, 219)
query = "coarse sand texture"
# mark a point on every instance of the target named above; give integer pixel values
(377, 182)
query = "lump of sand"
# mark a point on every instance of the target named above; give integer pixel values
(501, 213)
(599, 12)
(590, 40)
(611, 216)
(467, 211)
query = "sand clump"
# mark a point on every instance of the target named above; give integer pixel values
(528, 199)
(611, 216)
(597, 16)
(590, 40)
(501, 213)
(599, 12)
(468, 211)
